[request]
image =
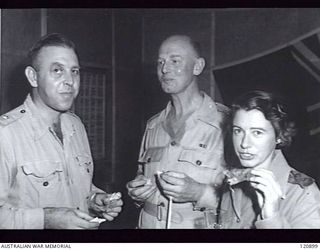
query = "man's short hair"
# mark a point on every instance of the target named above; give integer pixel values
(52, 39)
(196, 46)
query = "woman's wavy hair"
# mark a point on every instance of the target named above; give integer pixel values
(274, 109)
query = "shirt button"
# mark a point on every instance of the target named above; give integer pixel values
(198, 162)
(173, 143)
(45, 183)
(22, 111)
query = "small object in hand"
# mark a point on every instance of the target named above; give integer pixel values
(99, 220)
(148, 183)
(115, 196)
(237, 175)
(169, 212)
(158, 173)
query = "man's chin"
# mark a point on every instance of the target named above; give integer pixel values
(63, 109)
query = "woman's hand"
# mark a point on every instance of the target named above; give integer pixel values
(268, 191)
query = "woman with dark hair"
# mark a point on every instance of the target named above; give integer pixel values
(264, 191)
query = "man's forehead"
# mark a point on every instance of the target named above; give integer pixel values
(57, 52)
(177, 45)
(54, 48)
(49, 47)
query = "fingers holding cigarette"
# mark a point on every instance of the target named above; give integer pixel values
(266, 182)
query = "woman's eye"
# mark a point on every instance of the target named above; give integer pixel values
(257, 133)
(236, 131)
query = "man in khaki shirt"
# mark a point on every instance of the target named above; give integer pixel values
(45, 161)
(182, 148)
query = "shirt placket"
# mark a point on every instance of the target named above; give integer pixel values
(169, 161)
(63, 149)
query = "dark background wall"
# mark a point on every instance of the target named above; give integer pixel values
(17, 35)
(124, 44)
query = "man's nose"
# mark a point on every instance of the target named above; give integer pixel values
(165, 68)
(69, 79)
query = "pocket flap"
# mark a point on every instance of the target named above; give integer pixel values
(42, 169)
(84, 160)
(204, 159)
(152, 155)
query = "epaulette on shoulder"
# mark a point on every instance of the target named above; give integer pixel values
(12, 116)
(72, 114)
(301, 179)
(222, 108)
(153, 120)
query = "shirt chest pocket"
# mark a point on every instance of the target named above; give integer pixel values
(42, 182)
(84, 172)
(85, 164)
(203, 166)
(151, 161)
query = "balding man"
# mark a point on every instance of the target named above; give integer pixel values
(182, 148)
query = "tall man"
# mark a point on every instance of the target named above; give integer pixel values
(45, 161)
(182, 148)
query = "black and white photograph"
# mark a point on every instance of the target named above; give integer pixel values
(122, 121)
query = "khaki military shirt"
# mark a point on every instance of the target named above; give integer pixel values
(300, 207)
(38, 171)
(197, 152)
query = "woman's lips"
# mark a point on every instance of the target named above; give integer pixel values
(246, 156)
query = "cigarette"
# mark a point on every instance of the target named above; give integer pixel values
(99, 220)
(169, 213)
(149, 182)
(158, 173)
(115, 196)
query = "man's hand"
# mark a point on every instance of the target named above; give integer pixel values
(268, 191)
(180, 187)
(105, 205)
(141, 188)
(67, 218)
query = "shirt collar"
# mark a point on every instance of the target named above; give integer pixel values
(280, 169)
(39, 125)
(207, 112)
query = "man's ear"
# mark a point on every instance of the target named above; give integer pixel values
(199, 66)
(31, 75)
